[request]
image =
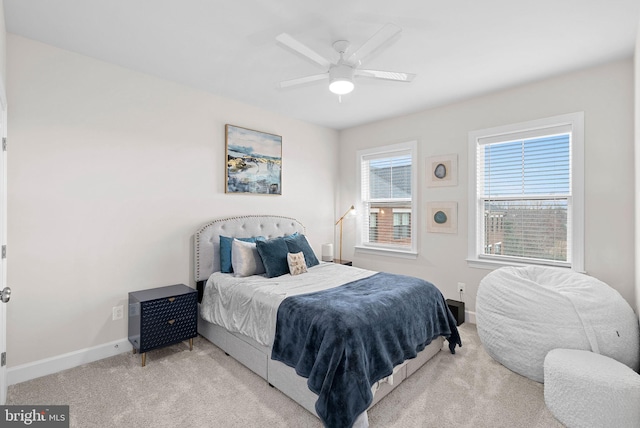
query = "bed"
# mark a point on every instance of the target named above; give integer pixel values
(253, 329)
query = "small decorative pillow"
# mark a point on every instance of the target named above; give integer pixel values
(245, 259)
(297, 265)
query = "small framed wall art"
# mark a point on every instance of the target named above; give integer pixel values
(442, 217)
(254, 161)
(442, 170)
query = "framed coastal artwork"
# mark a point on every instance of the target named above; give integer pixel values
(254, 161)
(442, 170)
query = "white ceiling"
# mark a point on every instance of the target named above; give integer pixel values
(458, 49)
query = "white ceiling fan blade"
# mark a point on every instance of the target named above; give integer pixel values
(386, 75)
(288, 41)
(302, 80)
(383, 35)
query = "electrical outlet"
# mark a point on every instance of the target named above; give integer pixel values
(117, 312)
(461, 287)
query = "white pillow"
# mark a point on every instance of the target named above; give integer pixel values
(245, 259)
(297, 264)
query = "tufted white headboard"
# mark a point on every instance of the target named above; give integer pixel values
(207, 237)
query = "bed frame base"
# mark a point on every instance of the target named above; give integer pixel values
(256, 358)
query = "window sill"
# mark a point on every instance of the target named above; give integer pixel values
(495, 264)
(387, 252)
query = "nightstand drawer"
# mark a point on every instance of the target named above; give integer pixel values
(165, 309)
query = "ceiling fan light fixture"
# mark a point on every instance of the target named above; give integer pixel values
(341, 86)
(341, 79)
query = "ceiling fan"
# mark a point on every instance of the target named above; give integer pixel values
(341, 74)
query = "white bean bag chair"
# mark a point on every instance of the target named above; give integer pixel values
(522, 313)
(583, 389)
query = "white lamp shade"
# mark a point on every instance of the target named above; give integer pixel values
(327, 252)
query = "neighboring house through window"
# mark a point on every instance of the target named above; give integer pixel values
(401, 224)
(388, 203)
(526, 187)
(373, 224)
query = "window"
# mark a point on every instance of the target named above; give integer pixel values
(526, 193)
(401, 224)
(373, 224)
(388, 203)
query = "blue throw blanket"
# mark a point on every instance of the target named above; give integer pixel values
(347, 338)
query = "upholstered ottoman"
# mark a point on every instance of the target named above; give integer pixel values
(585, 389)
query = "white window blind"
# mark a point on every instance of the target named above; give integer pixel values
(524, 196)
(387, 187)
(526, 193)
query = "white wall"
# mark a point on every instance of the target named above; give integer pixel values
(110, 173)
(604, 93)
(3, 48)
(637, 167)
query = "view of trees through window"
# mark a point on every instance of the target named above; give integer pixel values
(537, 230)
(527, 189)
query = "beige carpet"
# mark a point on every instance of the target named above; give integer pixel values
(206, 388)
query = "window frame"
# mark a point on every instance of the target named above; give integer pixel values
(364, 247)
(575, 121)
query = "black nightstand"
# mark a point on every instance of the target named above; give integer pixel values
(343, 262)
(162, 316)
(457, 310)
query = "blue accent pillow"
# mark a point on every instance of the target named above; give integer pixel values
(297, 243)
(273, 253)
(225, 252)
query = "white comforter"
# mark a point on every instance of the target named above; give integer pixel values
(250, 305)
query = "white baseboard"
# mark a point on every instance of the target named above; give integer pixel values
(470, 317)
(25, 372)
